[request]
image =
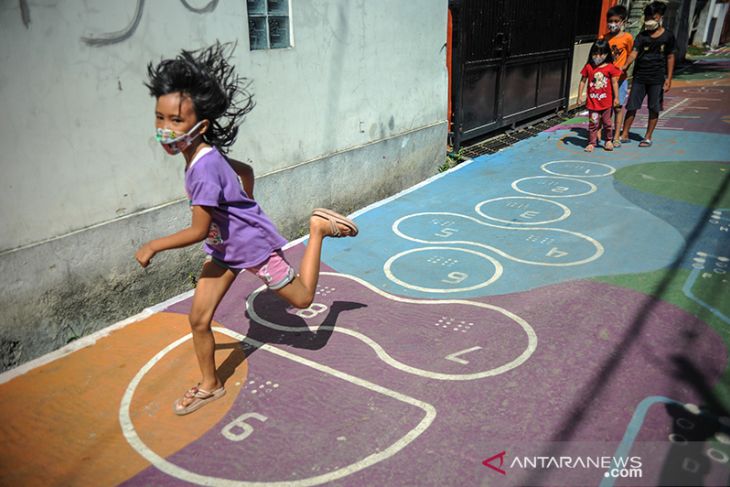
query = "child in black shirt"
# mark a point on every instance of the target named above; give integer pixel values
(654, 56)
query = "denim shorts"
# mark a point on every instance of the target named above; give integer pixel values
(275, 271)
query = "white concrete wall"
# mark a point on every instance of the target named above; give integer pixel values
(355, 112)
(580, 56)
(77, 123)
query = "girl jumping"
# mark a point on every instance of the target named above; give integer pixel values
(602, 78)
(200, 103)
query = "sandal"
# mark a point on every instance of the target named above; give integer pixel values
(334, 219)
(589, 148)
(608, 145)
(617, 143)
(645, 143)
(200, 398)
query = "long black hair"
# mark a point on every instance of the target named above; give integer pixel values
(217, 92)
(601, 46)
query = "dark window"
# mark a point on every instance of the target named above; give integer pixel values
(269, 25)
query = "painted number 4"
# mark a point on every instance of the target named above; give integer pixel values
(455, 277)
(238, 429)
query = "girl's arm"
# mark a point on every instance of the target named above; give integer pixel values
(670, 72)
(245, 172)
(614, 85)
(196, 232)
(581, 85)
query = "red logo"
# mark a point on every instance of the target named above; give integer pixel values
(488, 462)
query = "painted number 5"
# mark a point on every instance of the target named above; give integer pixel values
(455, 277)
(238, 429)
(446, 232)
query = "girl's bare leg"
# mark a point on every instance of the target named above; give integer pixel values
(212, 286)
(300, 292)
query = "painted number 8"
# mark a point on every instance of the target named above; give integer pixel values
(312, 311)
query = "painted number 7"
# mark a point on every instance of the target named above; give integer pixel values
(455, 277)
(231, 430)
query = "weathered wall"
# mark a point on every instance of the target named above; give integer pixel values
(355, 111)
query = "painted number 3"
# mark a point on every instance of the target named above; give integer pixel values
(455, 277)
(238, 429)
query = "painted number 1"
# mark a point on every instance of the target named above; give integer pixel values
(455, 277)
(238, 429)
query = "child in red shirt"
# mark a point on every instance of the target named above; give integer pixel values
(602, 78)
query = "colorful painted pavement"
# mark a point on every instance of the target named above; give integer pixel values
(540, 302)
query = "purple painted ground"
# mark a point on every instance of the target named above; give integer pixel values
(685, 108)
(600, 351)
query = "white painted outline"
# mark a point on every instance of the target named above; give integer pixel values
(498, 269)
(566, 210)
(594, 242)
(382, 354)
(169, 468)
(592, 187)
(611, 169)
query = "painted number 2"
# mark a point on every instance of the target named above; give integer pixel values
(455, 277)
(238, 429)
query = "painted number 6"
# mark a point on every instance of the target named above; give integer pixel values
(455, 277)
(229, 431)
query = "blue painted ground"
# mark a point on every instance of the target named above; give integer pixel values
(538, 213)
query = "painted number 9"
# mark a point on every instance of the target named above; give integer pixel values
(238, 429)
(455, 277)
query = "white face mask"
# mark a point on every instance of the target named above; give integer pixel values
(174, 143)
(652, 24)
(598, 60)
(614, 26)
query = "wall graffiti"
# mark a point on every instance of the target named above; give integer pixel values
(127, 32)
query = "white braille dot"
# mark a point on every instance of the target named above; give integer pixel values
(252, 382)
(722, 438)
(275, 386)
(261, 386)
(268, 382)
(723, 259)
(254, 391)
(456, 329)
(692, 408)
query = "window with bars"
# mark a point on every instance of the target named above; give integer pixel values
(269, 24)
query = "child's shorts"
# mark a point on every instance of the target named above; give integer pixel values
(639, 91)
(275, 271)
(623, 91)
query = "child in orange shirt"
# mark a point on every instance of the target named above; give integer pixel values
(621, 45)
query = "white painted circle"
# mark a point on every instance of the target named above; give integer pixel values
(685, 424)
(610, 169)
(498, 269)
(566, 210)
(591, 187)
(717, 455)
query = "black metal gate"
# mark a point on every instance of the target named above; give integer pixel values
(511, 62)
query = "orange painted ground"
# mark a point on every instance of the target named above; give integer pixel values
(77, 398)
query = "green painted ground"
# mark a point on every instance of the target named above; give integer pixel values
(694, 182)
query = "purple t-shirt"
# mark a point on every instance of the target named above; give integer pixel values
(241, 235)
